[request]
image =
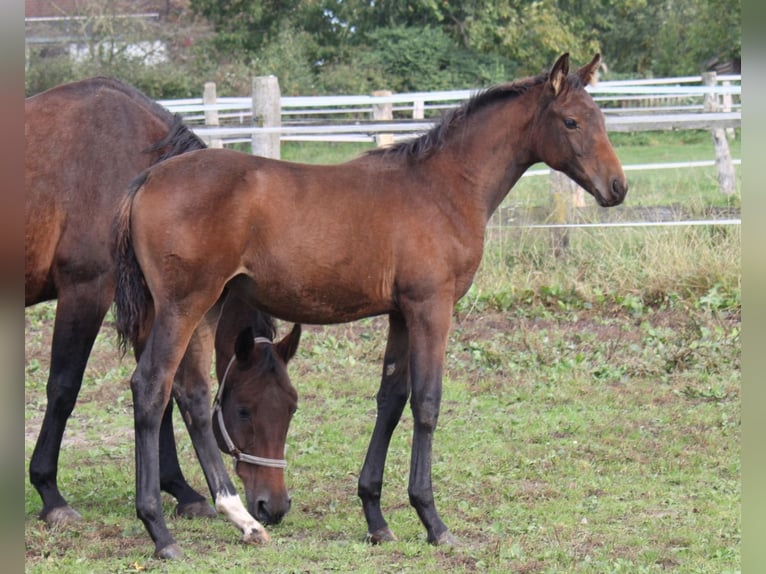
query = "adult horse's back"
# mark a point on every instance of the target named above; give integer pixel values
(85, 142)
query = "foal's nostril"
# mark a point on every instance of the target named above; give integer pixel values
(619, 189)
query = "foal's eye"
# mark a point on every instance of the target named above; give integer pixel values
(570, 123)
(243, 413)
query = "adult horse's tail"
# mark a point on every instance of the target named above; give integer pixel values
(133, 301)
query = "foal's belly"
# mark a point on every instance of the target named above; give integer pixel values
(301, 300)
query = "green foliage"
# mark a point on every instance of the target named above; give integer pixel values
(356, 46)
(406, 59)
(244, 27)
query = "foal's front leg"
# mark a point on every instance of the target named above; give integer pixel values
(392, 396)
(428, 324)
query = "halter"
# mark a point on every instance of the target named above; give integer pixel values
(238, 455)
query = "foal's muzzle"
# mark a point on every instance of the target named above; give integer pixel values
(616, 193)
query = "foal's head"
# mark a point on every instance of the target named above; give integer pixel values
(570, 133)
(257, 403)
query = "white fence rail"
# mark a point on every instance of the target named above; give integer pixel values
(629, 105)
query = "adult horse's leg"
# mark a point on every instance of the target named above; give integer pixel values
(428, 327)
(392, 397)
(79, 313)
(191, 504)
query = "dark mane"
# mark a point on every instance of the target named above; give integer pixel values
(423, 146)
(179, 139)
(262, 325)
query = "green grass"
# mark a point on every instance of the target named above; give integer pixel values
(574, 441)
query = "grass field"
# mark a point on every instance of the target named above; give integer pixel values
(590, 420)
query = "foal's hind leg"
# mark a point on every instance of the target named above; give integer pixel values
(391, 399)
(191, 504)
(79, 313)
(191, 390)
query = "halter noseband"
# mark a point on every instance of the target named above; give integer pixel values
(238, 455)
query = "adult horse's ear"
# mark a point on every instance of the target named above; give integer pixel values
(589, 72)
(558, 74)
(244, 344)
(287, 347)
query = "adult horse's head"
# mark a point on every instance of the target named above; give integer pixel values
(571, 134)
(252, 413)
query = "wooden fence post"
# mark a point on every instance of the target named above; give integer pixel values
(211, 115)
(726, 178)
(562, 189)
(267, 112)
(383, 112)
(726, 105)
(418, 110)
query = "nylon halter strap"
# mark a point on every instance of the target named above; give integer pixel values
(238, 455)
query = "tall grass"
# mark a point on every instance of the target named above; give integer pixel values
(650, 265)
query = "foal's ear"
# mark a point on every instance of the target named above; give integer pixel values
(558, 74)
(589, 72)
(287, 347)
(244, 344)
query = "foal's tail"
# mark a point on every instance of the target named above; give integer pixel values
(133, 301)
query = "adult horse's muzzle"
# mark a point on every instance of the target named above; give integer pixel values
(268, 509)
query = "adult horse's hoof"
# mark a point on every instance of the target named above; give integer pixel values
(61, 515)
(446, 539)
(170, 552)
(195, 510)
(256, 537)
(381, 535)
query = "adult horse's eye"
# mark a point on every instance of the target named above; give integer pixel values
(243, 413)
(570, 123)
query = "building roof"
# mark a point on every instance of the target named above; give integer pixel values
(35, 9)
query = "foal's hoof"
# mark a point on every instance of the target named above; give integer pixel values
(61, 515)
(381, 535)
(256, 537)
(170, 552)
(446, 539)
(195, 510)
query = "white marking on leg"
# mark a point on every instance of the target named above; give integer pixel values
(390, 368)
(231, 505)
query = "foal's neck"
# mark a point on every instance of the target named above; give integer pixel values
(492, 149)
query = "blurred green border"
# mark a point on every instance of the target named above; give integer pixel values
(753, 291)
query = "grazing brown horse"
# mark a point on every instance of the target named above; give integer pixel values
(85, 141)
(398, 231)
(254, 418)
